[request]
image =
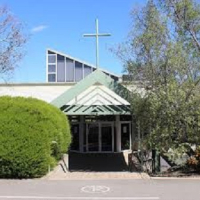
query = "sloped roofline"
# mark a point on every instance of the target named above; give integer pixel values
(81, 61)
(95, 77)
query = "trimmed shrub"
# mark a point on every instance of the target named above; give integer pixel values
(33, 136)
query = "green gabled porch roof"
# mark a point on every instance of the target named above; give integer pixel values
(95, 77)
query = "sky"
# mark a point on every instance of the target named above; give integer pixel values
(60, 25)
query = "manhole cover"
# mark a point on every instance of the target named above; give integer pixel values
(95, 189)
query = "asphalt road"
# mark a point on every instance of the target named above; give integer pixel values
(100, 190)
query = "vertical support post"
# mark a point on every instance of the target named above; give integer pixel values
(130, 136)
(100, 137)
(155, 161)
(140, 153)
(81, 133)
(133, 133)
(118, 133)
(139, 138)
(87, 132)
(113, 139)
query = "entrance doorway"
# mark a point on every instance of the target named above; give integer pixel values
(100, 137)
(93, 137)
(75, 137)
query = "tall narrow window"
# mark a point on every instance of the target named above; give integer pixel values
(51, 67)
(78, 71)
(125, 136)
(87, 70)
(60, 68)
(69, 70)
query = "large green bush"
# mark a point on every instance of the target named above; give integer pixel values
(33, 136)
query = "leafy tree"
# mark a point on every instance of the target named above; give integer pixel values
(162, 56)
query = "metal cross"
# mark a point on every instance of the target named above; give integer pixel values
(97, 35)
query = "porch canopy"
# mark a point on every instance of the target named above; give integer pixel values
(97, 94)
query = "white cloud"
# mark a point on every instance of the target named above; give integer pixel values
(38, 28)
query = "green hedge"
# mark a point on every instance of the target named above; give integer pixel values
(33, 136)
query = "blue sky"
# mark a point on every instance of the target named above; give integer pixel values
(60, 24)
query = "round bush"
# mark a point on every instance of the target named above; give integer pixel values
(33, 136)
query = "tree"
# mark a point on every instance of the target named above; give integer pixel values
(162, 56)
(12, 40)
(185, 14)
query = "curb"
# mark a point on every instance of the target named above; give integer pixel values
(175, 178)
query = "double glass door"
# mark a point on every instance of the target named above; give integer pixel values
(100, 137)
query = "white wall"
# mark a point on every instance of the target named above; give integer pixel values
(46, 92)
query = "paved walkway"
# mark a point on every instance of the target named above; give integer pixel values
(94, 167)
(58, 174)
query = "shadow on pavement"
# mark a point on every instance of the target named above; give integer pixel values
(97, 162)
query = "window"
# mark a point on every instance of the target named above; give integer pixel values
(52, 68)
(69, 70)
(87, 70)
(60, 58)
(60, 68)
(125, 136)
(78, 71)
(51, 77)
(51, 58)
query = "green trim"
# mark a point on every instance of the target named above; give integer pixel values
(95, 77)
(96, 110)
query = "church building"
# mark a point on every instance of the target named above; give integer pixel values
(95, 101)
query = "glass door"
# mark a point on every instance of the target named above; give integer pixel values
(107, 137)
(93, 137)
(100, 137)
(75, 137)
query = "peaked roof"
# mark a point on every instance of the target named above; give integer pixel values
(96, 77)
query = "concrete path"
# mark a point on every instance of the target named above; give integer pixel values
(59, 174)
(94, 167)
